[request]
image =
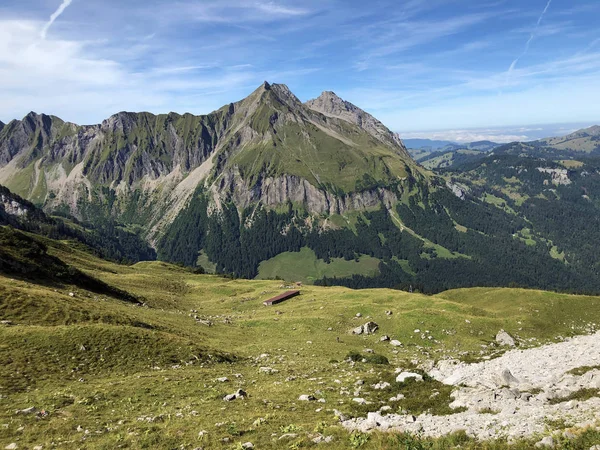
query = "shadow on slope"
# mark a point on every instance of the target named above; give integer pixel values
(22, 256)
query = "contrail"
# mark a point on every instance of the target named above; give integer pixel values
(531, 37)
(54, 16)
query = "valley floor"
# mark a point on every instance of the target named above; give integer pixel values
(83, 370)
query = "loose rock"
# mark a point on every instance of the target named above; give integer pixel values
(503, 338)
(403, 376)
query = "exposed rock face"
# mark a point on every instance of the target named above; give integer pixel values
(331, 105)
(559, 176)
(12, 207)
(276, 191)
(457, 190)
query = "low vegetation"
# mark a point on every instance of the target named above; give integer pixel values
(155, 376)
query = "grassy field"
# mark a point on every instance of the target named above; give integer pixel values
(306, 267)
(110, 374)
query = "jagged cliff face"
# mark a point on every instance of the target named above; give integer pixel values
(269, 148)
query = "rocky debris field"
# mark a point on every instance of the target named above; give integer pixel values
(519, 394)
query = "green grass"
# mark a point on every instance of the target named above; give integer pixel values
(581, 395)
(146, 377)
(578, 371)
(306, 267)
(205, 263)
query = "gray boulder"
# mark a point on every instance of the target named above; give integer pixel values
(503, 338)
(367, 328)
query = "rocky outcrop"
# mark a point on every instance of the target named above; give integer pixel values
(559, 176)
(276, 191)
(12, 207)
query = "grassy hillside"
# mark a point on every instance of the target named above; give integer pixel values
(146, 377)
(306, 267)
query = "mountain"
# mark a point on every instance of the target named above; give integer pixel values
(268, 147)
(445, 154)
(586, 140)
(454, 154)
(578, 144)
(266, 186)
(450, 158)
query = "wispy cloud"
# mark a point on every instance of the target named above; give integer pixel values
(280, 10)
(55, 15)
(399, 36)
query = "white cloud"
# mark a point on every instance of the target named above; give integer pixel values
(68, 78)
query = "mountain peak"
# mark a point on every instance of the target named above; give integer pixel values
(331, 105)
(271, 91)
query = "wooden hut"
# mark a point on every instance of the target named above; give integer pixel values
(281, 298)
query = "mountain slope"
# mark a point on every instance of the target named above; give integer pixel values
(586, 140)
(578, 144)
(107, 239)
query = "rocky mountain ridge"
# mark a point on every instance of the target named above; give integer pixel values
(268, 147)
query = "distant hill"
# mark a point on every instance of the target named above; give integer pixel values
(586, 140)
(577, 144)
(453, 154)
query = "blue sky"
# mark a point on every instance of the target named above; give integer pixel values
(416, 65)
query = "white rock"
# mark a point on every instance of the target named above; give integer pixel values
(395, 343)
(503, 338)
(359, 400)
(403, 376)
(12, 446)
(248, 445)
(307, 398)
